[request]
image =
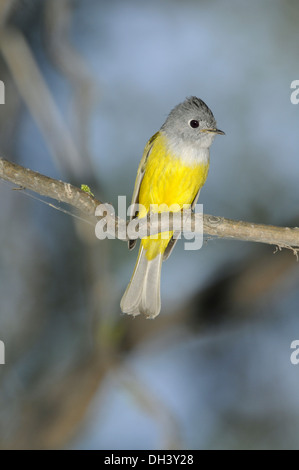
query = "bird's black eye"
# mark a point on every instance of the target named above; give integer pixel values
(193, 123)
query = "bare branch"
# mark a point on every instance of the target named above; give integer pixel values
(283, 237)
(45, 186)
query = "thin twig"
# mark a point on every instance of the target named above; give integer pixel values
(220, 227)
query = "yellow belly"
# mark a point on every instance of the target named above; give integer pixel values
(167, 180)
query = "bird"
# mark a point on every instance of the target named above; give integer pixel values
(173, 169)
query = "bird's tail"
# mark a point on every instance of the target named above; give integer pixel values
(143, 292)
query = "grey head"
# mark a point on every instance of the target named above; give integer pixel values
(191, 122)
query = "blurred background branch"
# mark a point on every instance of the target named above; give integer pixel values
(23, 68)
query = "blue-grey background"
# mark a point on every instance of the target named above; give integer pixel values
(223, 379)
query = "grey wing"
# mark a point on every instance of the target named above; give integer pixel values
(139, 178)
(174, 239)
(170, 246)
(135, 200)
(195, 200)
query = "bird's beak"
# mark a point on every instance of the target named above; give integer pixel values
(213, 131)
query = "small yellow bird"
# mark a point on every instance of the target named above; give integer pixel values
(173, 169)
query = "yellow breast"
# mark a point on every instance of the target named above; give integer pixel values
(168, 180)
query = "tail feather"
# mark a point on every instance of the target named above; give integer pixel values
(143, 292)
